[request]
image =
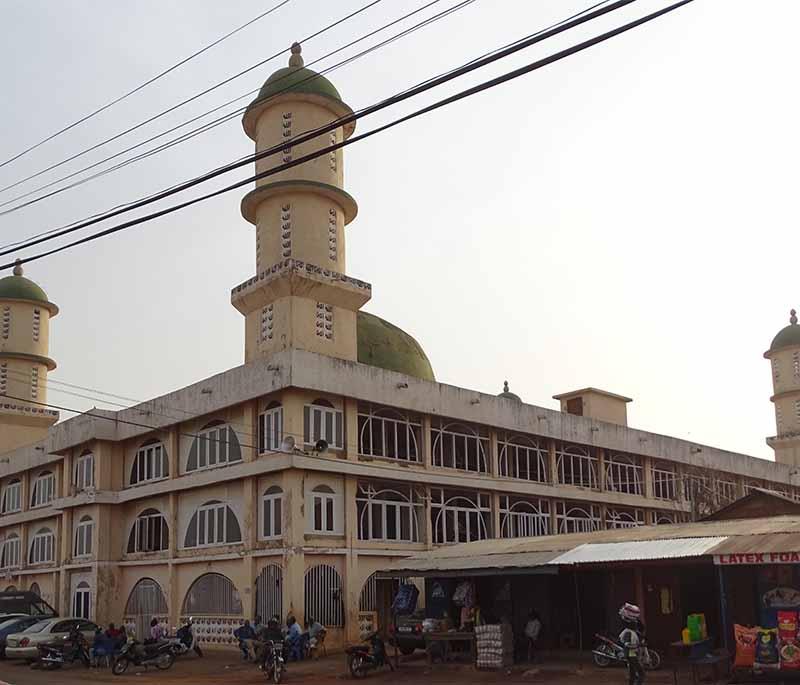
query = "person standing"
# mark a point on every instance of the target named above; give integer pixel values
(533, 628)
(632, 640)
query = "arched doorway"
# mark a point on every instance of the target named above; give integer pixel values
(269, 593)
(145, 603)
(324, 595)
(214, 603)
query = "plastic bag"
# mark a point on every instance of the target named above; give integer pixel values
(745, 645)
(767, 657)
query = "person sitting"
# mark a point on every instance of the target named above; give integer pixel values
(533, 629)
(294, 639)
(245, 634)
(116, 635)
(102, 647)
(316, 633)
(156, 632)
(266, 636)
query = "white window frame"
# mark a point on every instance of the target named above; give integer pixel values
(144, 532)
(574, 518)
(12, 497)
(84, 534)
(211, 442)
(84, 471)
(44, 489)
(459, 517)
(387, 433)
(665, 483)
(725, 491)
(522, 518)
(467, 439)
(82, 601)
(150, 463)
(11, 551)
(576, 466)
(211, 512)
(323, 423)
(272, 502)
(624, 518)
(379, 507)
(43, 547)
(624, 473)
(522, 458)
(327, 502)
(270, 430)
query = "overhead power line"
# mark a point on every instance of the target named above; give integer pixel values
(310, 135)
(230, 115)
(188, 100)
(144, 85)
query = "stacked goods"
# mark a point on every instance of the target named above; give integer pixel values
(495, 646)
(789, 647)
(746, 639)
(767, 655)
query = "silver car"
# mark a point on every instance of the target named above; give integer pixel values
(47, 632)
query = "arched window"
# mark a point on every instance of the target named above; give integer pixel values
(459, 516)
(388, 514)
(145, 602)
(624, 473)
(522, 518)
(624, 518)
(84, 471)
(212, 594)
(84, 532)
(215, 445)
(149, 533)
(368, 599)
(576, 465)
(388, 433)
(214, 523)
(43, 547)
(44, 489)
(459, 446)
(323, 510)
(35, 589)
(11, 588)
(12, 496)
(322, 422)
(270, 428)
(81, 600)
(323, 595)
(522, 457)
(150, 463)
(577, 519)
(272, 513)
(10, 555)
(269, 592)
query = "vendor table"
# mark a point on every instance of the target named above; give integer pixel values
(694, 655)
(446, 639)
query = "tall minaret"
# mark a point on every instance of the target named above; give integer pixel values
(784, 353)
(25, 315)
(300, 296)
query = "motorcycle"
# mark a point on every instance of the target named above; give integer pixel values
(74, 649)
(607, 651)
(159, 654)
(361, 660)
(273, 665)
(185, 641)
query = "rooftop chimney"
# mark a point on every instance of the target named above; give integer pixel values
(596, 404)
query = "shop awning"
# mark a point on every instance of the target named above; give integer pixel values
(479, 564)
(638, 550)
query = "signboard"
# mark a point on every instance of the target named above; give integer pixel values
(751, 558)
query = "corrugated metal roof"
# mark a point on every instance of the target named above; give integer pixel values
(639, 550)
(432, 562)
(745, 544)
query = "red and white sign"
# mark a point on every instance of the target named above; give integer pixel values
(757, 558)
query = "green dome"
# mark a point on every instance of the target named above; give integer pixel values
(17, 287)
(388, 347)
(788, 336)
(298, 80)
(508, 395)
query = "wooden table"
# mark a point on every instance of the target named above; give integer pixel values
(446, 639)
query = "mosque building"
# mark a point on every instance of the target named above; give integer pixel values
(281, 486)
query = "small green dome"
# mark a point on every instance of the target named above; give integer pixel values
(508, 395)
(388, 347)
(788, 336)
(17, 287)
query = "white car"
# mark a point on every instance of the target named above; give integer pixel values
(49, 632)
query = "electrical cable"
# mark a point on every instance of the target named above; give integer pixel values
(143, 85)
(230, 115)
(188, 100)
(538, 64)
(426, 85)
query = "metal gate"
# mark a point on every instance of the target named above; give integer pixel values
(269, 593)
(145, 602)
(323, 594)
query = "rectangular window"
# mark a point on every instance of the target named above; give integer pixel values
(12, 497)
(324, 508)
(270, 430)
(271, 521)
(42, 549)
(84, 472)
(11, 552)
(44, 490)
(211, 524)
(323, 423)
(214, 446)
(664, 483)
(83, 538)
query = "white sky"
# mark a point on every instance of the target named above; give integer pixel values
(623, 219)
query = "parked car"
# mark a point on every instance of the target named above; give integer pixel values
(50, 632)
(409, 633)
(14, 624)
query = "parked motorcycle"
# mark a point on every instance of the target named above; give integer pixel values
(158, 654)
(608, 651)
(274, 665)
(74, 649)
(368, 656)
(185, 640)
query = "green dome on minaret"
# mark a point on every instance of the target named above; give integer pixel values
(17, 287)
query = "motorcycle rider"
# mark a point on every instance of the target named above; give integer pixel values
(186, 635)
(632, 640)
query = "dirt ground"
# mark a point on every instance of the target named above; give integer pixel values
(225, 668)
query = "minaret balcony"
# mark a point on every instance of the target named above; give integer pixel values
(301, 279)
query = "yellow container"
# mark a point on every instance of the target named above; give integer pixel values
(685, 636)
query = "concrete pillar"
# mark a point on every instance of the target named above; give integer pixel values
(428, 523)
(293, 403)
(494, 467)
(294, 574)
(66, 536)
(248, 591)
(647, 467)
(249, 513)
(66, 474)
(25, 489)
(601, 468)
(249, 429)
(173, 446)
(351, 428)
(495, 532)
(172, 522)
(426, 442)
(174, 598)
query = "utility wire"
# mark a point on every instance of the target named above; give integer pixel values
(144, 85)
(230, 115)
(188, 100)
(310, 135)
